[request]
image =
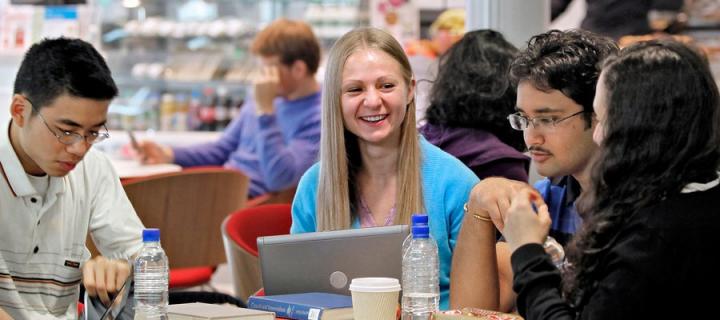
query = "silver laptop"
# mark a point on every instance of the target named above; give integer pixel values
(328, 261)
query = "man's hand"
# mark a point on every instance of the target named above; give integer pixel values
(152, 153)
(266, 89)
(522, 224)
(492, 197)
(103, 277)
(4, 315)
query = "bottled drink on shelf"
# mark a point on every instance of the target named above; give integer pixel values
(181, 112)
(152, 111)
(420, 274)
(167, 111)
(151, 278)
(207, 110)
(193, 117)
(221, 112)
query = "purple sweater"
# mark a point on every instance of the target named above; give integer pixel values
(480, 150)
(272, 150)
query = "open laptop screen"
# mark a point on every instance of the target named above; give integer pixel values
(327, 261)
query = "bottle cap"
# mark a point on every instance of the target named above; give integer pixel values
(419, 219)
(420, 232)
(151, 235)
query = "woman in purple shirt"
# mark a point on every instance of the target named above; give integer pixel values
(469, 104)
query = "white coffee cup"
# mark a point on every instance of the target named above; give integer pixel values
(375, 298)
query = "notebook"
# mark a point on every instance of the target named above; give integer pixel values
(327, 261)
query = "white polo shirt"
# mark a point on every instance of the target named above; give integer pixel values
(42, 237)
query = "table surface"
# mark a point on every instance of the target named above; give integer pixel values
(128, 168)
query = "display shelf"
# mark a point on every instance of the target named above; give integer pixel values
(178, 85)
(185, 64)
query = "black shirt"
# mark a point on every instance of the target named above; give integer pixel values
(662, 265)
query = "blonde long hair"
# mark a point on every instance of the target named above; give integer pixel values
(339, 154)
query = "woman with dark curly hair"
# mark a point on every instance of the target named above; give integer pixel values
(647, 248)
(469, 104)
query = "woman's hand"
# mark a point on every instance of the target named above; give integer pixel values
(491, 198)
(522, 224)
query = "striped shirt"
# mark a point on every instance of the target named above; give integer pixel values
(42, 235)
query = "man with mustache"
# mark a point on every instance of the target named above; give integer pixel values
(55, 189)
(556, 77)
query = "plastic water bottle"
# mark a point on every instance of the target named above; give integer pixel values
(556, 252)
(151, 278)
(417, 219)
(420, 275)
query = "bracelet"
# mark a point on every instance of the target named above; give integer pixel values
(476, 215)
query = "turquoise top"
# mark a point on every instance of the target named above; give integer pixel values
(446, 186)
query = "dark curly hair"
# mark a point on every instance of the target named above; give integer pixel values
(662, 132)
(567, 61)
(472, 89)
(54, 67)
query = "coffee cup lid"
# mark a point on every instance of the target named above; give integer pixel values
(375, 285)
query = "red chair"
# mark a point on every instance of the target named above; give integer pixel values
(240, 232)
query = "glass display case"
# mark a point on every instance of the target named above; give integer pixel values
(185, 64)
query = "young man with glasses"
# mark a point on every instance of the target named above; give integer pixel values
(556, 77)
(55, 189)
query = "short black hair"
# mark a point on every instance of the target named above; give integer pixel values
(54, 67)
(567, 61)
(472, 89)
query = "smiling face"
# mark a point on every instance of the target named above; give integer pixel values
(563, 150)
(374, 97)
(36, 144)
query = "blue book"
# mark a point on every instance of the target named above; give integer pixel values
(305, 306)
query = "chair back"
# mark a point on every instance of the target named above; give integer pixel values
(188, 207)
(240, 232)
(283, 196)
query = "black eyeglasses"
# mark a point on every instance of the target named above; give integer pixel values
(521, 122)
(70, 138)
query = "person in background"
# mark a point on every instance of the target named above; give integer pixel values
(374, 169)
(555, 76)
(469, 104)
(447, 29)
(55, 188)
(617, 18)
(276, 136)
(647, 247)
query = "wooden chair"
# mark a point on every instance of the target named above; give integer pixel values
(284, 196)
(188, 207)
(240, 232)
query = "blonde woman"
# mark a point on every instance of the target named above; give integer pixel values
(375, 169)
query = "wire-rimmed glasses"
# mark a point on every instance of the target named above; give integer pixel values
(70, 138)
(520, 122)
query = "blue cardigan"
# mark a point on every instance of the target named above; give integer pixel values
(446, 186)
